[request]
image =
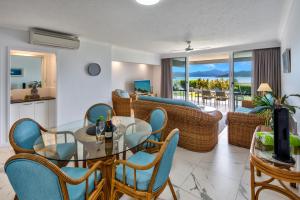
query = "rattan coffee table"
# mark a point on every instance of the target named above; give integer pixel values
(286, 175)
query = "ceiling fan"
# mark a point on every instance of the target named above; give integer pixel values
(189, 48)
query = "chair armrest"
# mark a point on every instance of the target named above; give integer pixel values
(72, 181)
(134, 166)
(247, 104)
(244, 118)
(155, 142)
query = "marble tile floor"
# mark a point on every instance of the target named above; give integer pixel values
(222, 174)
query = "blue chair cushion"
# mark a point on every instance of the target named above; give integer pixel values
(143, 177)
(77, 192)
(166, 163)
(122, 93)
(157, 120)
(25, 134)
(258, 109)
(169, 101)
(243, 110)
(31, 180)
(96, 111)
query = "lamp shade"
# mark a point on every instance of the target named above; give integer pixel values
(264, 87)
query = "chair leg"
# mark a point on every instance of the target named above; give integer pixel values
(113, 193)
(172, 189)
(102, 196)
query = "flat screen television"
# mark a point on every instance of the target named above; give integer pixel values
(142, 86)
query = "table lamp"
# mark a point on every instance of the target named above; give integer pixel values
(264, 87)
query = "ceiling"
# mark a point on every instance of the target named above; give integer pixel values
(160, 28)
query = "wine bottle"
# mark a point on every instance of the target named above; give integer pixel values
(108, 128)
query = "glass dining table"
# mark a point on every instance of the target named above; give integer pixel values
(129, 134)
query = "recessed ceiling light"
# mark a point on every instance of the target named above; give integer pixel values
(147, 2)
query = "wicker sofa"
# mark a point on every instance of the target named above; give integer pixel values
(122, 106)
(198, 130)
(241, 126)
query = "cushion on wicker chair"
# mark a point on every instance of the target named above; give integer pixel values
(122, 93)
(258, 109)
(169, 101)
(77, 192)
(143, 177)
(243, 110)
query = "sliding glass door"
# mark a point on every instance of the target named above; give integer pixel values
(205, 79)
(209, 80)
(242, 77)
(179, 74)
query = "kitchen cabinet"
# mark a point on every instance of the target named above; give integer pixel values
(44, 112)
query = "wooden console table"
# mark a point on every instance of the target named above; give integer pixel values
(262, 161)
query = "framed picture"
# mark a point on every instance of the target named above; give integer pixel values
(16, 72)
(286, 60)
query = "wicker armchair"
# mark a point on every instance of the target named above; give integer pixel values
(198, 130)
(122, 106)
(241, 126)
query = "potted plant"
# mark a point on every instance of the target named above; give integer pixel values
(269, 102)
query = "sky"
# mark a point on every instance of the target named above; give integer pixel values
(238, 66)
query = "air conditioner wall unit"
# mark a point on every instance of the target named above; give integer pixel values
(52, 38)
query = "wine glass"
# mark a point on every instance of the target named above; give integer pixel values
(99, 130)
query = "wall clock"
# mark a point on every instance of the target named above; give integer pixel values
(94, 69)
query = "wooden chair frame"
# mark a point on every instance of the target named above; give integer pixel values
(12, 142)
(64, 178)
(98, 104)
(19, 149)
(122, 187)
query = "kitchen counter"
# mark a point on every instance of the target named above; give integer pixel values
(12, 101)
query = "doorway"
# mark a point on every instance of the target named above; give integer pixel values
(32, 87)
(220, 80)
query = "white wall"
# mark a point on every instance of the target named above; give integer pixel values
(124, 73)
(122, 54)
(76, 91)
(290, 39)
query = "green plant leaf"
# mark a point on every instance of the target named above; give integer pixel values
(294, 95)
(290, 108)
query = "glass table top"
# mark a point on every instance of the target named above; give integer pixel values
(266, 154)
(70, 142)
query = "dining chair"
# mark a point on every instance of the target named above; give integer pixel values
(221, 96)
(158, 119)
(34, 177)
(24, 133)
(97, 110)
(206, 95)
(145, 175)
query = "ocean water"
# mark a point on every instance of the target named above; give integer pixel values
(246, 80)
